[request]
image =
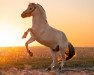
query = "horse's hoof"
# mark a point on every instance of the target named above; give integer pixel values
(30, 53)
(60, 69)
(48, 69)
(24, 36)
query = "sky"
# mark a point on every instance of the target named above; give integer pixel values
(74, 17)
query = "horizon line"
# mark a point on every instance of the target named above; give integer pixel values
(40, 46)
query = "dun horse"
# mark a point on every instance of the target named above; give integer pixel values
(43, 33)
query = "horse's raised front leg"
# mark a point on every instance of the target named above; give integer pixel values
(53, 54)
(27, 43)
(26, 32)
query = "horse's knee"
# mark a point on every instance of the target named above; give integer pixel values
(26, 44)
(29, 29)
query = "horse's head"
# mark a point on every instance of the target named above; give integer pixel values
(29, 11)
(34, 9)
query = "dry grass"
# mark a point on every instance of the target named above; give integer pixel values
(18, 56)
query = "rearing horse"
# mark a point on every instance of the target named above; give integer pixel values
(43, 33)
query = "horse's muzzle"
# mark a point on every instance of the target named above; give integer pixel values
(23, 15)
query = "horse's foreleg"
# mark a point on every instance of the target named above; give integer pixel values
(27, 43)
(26, 32)
(53, 54)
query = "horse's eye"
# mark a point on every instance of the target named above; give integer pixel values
(30, 8)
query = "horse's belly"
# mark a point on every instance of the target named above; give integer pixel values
(46, 42)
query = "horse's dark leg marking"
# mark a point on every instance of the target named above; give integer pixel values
(56, 49)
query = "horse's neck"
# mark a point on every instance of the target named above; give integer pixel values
(38, 23)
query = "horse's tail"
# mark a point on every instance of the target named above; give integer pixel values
(71, 51)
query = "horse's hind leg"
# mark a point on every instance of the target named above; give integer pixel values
(53, 54)
(62, 64)
(26, 44)
(62, 54)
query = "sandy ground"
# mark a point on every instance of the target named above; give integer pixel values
(27, 71)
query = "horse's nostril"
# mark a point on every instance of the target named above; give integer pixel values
(30, 8)
(22, 15)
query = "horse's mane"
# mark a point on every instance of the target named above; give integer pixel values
(42, 11)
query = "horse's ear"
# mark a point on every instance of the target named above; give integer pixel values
(38, 4)
(33, 4)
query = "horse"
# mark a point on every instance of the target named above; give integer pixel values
(46, 35)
